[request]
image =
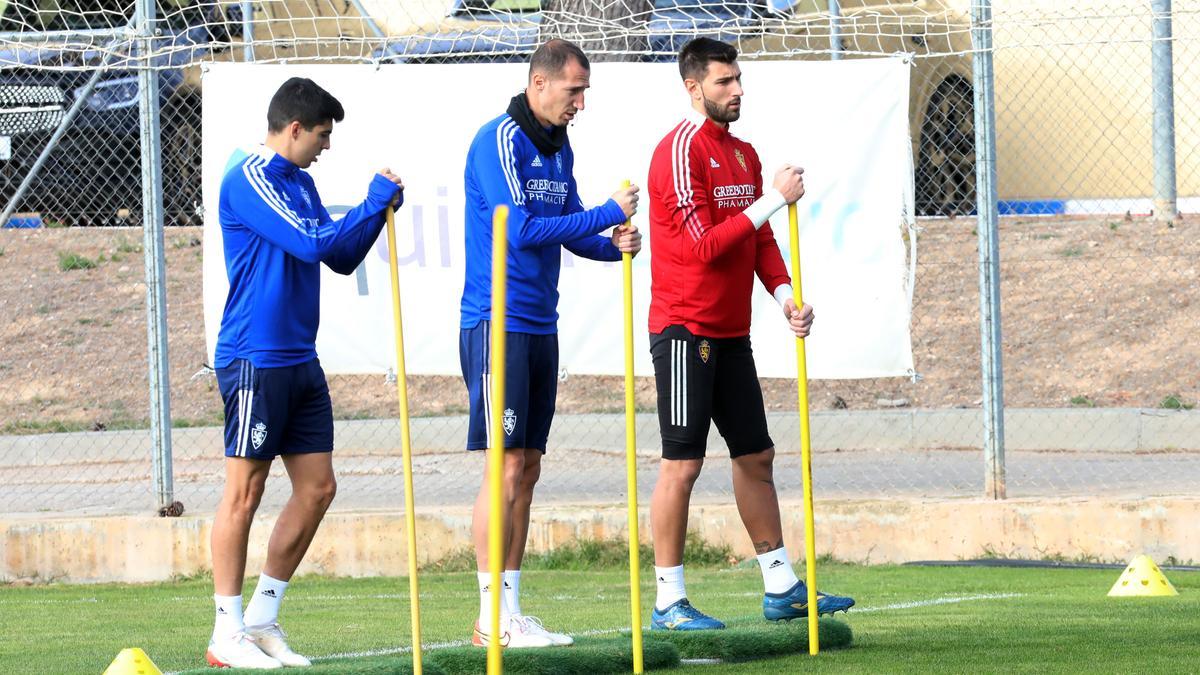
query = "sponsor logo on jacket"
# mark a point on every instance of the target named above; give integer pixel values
(737, 196)
(546, 190)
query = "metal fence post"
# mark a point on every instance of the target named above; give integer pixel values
(366, 16)
(989, 251)
(248, 31)
(835, 30)
(156, 283)
(1165, 206)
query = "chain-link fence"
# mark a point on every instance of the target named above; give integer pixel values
(1096, 285)
(1098, 338)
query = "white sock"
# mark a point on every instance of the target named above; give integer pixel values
(229, 616)
(777, 572)
(670, 586)
(263, 609)
(485, 603)
(512, 590)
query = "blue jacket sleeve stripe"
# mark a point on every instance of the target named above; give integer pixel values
(254, 176)
(504, 144)
(323, 229)
(507, 164)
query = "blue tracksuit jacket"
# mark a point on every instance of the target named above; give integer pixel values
(504, 167)
(276, 234)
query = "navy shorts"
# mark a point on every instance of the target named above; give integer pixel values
(530, 388)
(701, 379)
(275, 411)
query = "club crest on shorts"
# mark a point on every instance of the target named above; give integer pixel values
(740, 158)
(705, 350)
(510, 421)
(258, 434)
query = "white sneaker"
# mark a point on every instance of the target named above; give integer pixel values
(272, 641)
(518, 636)
(533, 626)
(482, 639)
(524, 634)
(238, 651)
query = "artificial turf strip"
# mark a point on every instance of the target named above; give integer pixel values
(763, 640)
(589, 656)
(366, 665)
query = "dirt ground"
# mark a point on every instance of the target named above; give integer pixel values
(1096, 311)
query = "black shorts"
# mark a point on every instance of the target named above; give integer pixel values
(700, 379)
(275, 411)
(530, 386)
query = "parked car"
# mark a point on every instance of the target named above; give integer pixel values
(941, 104)
(1072, 107)
(93, 174)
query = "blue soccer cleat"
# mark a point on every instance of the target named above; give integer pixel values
(793, 603)
(680, 615)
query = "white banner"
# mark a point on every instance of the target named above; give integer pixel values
(845, 122)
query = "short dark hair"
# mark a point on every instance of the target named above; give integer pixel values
(553, 55)
(697, 54)
(304, 101)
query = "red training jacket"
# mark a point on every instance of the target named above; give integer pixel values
(705, 251)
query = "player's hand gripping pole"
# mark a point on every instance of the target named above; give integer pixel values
(495, 451)
(810, 546)
(410, 521)
(635, 582)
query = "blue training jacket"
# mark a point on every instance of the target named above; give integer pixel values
(276, 234)
(504, 167)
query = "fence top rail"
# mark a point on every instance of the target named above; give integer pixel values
(58, 36)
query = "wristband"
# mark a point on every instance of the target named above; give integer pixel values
(783, 294)
(760, 211)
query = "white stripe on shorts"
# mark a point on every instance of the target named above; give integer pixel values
(246, 401)
(679, 383)
(683, 389)
(241, 420)
(486, 377)
(674, 387)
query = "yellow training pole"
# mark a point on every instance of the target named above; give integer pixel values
(495, 453)
(810, 545)
(410, 519)
(635, 581)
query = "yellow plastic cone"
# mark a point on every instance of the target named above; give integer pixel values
(132, 661)
(1141, 578)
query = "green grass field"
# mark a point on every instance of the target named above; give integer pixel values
(908, 619)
